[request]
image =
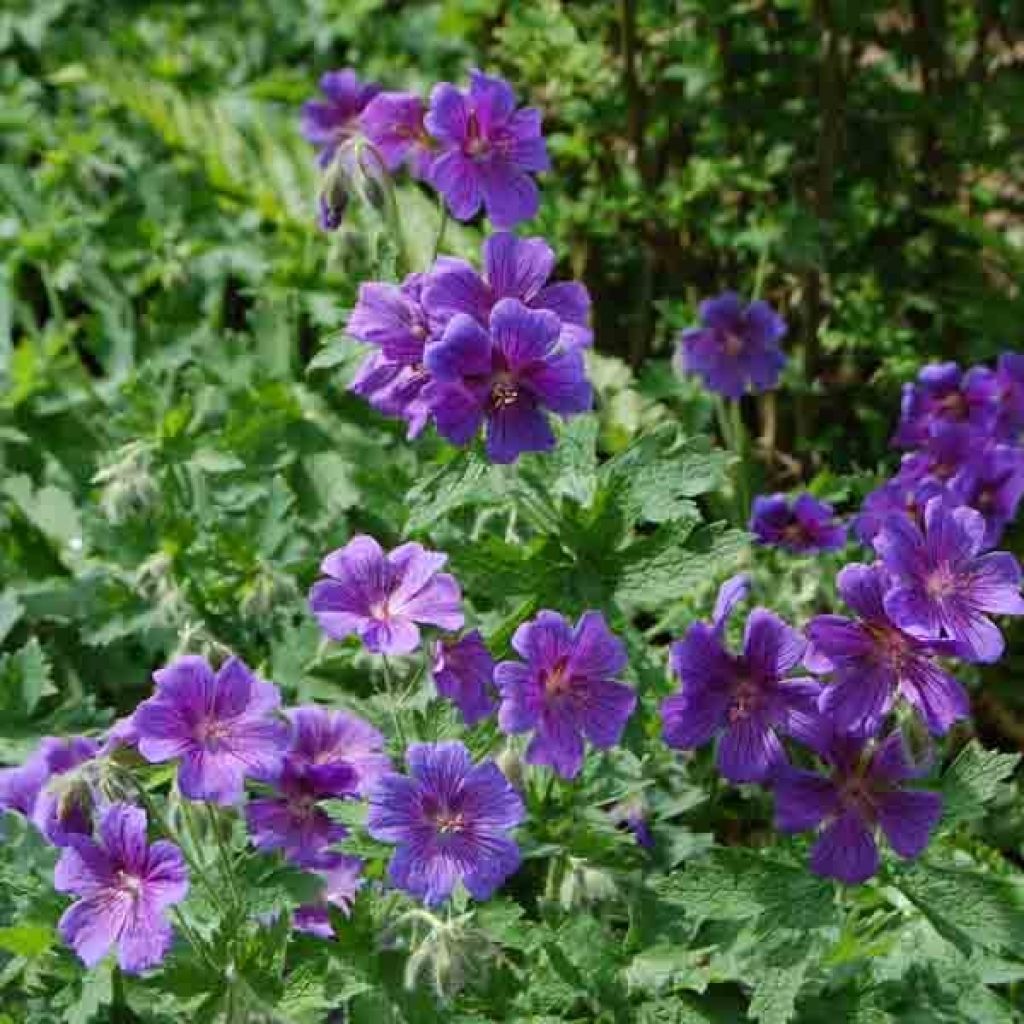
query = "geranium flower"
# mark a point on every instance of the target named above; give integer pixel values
(487, 150)
(463, 672)
(124, 887)
(450, 820)
(221, 728)
(328, 123)
(394, 124)
(384, 598)
(343, 879)
(804, 526)
(943, 393)
(566, 690)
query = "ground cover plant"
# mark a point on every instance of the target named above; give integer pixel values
(489, 534)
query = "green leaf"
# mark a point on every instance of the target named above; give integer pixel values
(669, 966)
(27, 939)
(96, 992)
(774, 999)
(968, 908)
(10, 612)
(974, 780)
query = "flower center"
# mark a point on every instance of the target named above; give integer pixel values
(558, 681)
(504, 392)
(379, 610)
(941, 582)
(953, 405)
(794, 533)
(129, 884)
(746, 699)
(856, 793)
(733, 344)
(304, 807)
(476, 144)
(211, 733)
(890, 643)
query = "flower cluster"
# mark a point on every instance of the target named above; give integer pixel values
(927, 599)
(475, 146)
(497, 348)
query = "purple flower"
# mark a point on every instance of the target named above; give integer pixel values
(862, 793)
(393, 122)
(735, 347)
(21, 786)
(805, 526)
(741, 697)
(944, 394)
(121, 735)
(221, 728)
(328, 123)
(384, 598)
(1010, 377)
(332, 755)
(124, 886)
(632, 814)
(392, 379)
(487, 150)
(507, 376)
(514, 268)
(949, 456)
(450, 821)
(395, 390)
(566, 690)
(874, 661)
(342, 880)
(994, 488)
(463, 672)
(900, 496)
(943, 587)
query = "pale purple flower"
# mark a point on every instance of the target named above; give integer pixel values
(395, 390)
(863, 793)
(507, 377)
(221, 728)
(949, 456)
(394, 124)
(513, 268)
(329, 122)
(450, 820)
(801, 527)
(565, 690)
(943, 586)
(122, 735)
(743, 698)
(342, 878)
(333, 755)
(875, 661)
(944, 394)
(736, 346)
(125, 886)
(463, 672)
(21, 786)
(384, 598)
(487, 150)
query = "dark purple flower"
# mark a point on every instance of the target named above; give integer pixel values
(566, 690)
(342, 880)
(395, 390)
(1010, 376)
(807, 525)
(862, 793)
(463, 672)
(900, 496)
(20, 786)
(333, 755)
(393, 122)
(328, 123)
(450, 821)
(948, 456)
(513, 268)
(487, 150)
(124, 887)
(943, 587)
(874, 661)
(741, 697)
(507, 377)
(944, 394)
(736, 346)
(221, 728)
(384, 598)
(994, 488)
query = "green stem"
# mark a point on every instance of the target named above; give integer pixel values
(442, 224)
(193, 939)
(393, 219)
(227, 867)
(762, 267)
(741, 450)
(392, 694)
